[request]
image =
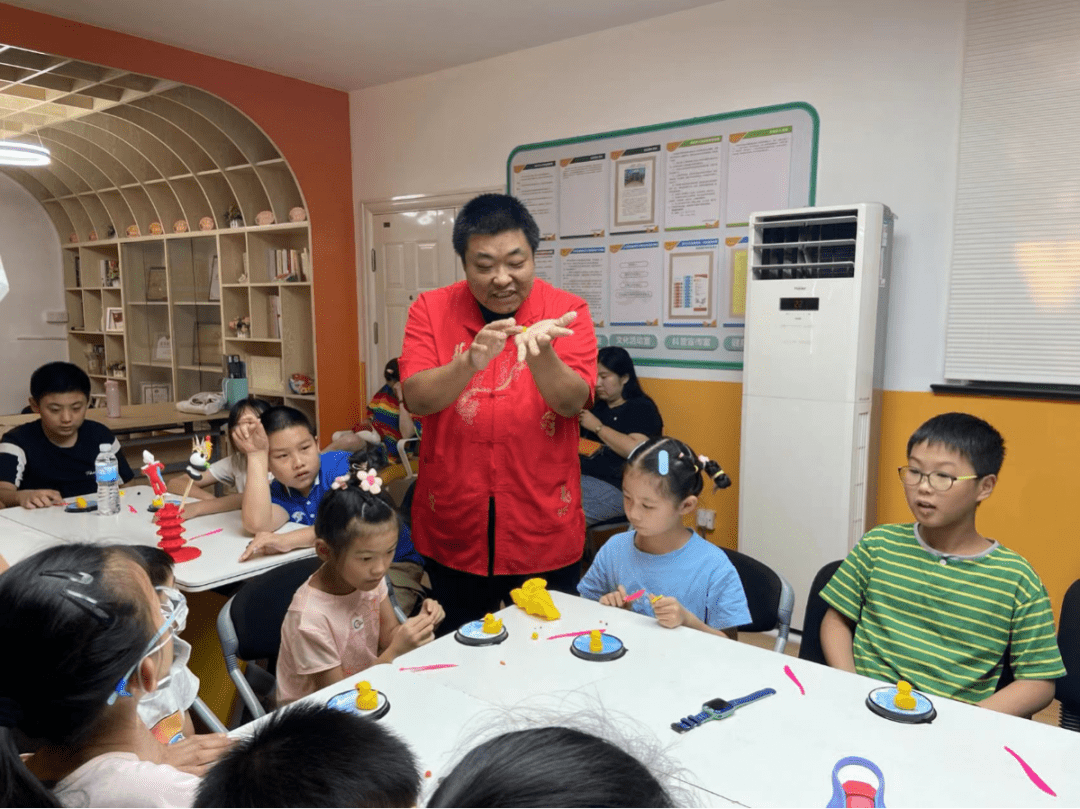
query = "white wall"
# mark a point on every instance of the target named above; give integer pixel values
(883, 76)
(30, 251)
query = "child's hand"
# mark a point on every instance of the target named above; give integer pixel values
(39, 498)
(615, 598)
(434, 609)
(668, 611)
(250, 438)
(412, 634)
(267, 543)
(196, 754)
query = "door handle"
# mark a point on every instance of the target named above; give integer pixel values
(376, 333)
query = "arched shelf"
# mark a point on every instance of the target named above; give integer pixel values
(129, 149)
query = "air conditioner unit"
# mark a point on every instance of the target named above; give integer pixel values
(816, 307)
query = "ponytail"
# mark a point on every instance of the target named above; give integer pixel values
(677, 466)
(356, 503)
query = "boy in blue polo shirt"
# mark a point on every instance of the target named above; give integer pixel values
(283, 444)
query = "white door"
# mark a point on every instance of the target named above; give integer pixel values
(411, 252)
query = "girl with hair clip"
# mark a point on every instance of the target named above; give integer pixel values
(341, 620)
(92, 638)
(687, 580)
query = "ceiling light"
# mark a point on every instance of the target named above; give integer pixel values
(13, 153)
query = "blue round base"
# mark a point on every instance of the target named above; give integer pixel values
(881, 702)
(346, 701)
(613, 648)
(473, 634)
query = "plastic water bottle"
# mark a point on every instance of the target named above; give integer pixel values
(107, 472)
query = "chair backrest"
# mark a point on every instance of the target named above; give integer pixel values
(259, 606)
(769, 597)
(1068, 687)
(810, 645)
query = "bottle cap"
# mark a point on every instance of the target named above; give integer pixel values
(104, 447)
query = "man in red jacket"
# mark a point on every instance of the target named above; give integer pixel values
(500, 365)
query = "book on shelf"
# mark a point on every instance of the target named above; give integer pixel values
(273, 320)
(110, 272)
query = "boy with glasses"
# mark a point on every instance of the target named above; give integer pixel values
(935, 602)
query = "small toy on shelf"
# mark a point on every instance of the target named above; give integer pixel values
(534, 598)
(93, 235)
(73, 238)
(133, 231)
(233, 217)
(265, 218)
(180, 226)
(297, 214)
(110, 232)
(302, 384)
(241, 325)
(206, 223)
(156, 229)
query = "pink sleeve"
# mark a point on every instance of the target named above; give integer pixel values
(311, 642)
(418, 351)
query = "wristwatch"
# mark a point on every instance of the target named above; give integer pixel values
(719, 709)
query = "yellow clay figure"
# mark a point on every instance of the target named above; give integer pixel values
(492, 625)
(596, 642)
(535, 635)
(903, 699)
(366, 698)
(80, 502)
(534, 598)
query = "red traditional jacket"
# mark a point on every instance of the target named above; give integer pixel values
(499, 439)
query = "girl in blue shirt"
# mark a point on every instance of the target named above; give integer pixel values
(687, 580)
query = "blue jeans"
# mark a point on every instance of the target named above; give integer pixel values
(601, 500)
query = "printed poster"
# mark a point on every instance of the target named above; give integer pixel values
(537, 186)
(759, 168)
(693, 184)
(635, 189)
(583, 188)
(691, 282)
(546, 263)
(583, 270)
(636, 280)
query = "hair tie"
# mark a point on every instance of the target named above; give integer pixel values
(370, 482)
(11, 713)
(340, 482)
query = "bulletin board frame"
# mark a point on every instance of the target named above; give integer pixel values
(618, 212)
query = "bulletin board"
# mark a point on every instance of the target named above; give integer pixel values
(649, 225)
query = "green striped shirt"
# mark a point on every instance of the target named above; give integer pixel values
(943, 622)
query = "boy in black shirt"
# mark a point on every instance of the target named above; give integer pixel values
(44, 461)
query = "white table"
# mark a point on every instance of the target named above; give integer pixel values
(216, 566)
(776, 752)
(438, 723)
(19, 541)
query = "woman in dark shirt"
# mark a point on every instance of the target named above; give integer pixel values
(622, 418)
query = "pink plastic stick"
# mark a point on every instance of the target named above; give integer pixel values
(574, 634)
(208, 533)
(632, 596)
(794, 679)
(1030, 773)
(429, 668)
(133, 510)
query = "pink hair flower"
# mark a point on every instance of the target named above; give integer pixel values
(370, 482)
(340, 482)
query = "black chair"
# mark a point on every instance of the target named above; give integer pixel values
(1068, 687)
(768, 595)
(810, 645)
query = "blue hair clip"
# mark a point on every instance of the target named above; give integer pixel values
(121, 688)
(662, 462)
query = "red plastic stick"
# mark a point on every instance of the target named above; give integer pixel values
(429, 668)
(1030, 773)
(794, 679)
(575, 634)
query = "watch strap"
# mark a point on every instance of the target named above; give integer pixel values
(738, 702)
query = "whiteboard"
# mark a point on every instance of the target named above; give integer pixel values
(649, 225)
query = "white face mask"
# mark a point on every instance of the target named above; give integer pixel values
(175, 691)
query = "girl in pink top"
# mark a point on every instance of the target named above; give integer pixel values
(341, 621)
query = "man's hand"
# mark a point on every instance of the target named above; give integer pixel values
(39, 498)
(250, 438)
(616, 598)
(531, 339)
(668, 611)
(266, 543)
(415, 632)
(489, 342)
(196, 754)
